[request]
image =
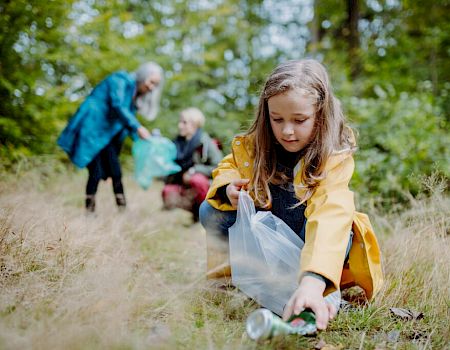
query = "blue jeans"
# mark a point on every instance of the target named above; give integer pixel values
(216, 221)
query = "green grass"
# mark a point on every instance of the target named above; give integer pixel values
(135, 280)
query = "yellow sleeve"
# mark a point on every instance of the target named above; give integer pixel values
(329, 214)
(225, 172)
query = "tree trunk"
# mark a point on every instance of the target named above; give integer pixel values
(353, 37)
(315, 29)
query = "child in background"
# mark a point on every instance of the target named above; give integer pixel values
(197, 155)
(296, 161)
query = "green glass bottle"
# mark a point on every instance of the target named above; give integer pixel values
(263, 324)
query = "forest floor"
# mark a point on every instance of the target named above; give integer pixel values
(135, 280)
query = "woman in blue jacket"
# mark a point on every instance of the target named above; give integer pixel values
(94, 135)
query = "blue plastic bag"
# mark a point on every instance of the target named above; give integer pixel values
(153, 157)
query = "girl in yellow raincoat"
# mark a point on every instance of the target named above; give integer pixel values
(296, 161)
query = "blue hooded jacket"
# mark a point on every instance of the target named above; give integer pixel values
(106, 112)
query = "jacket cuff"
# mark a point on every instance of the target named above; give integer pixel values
(221, 193)
(319, 277)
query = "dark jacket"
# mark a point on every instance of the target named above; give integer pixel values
(201, 154)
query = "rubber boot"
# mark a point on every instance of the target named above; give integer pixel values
(120, 201)
(90, 204)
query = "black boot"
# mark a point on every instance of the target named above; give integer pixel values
(120, 201)
(195, 213)
(90, 203)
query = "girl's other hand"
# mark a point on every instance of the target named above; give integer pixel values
(143, 133)
(188, 175)
(233, 190)
(186, 178)
(309, 294)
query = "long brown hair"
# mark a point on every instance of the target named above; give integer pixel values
(330, 132)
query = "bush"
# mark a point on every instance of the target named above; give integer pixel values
(400, 139)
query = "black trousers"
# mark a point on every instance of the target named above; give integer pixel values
(106, 164)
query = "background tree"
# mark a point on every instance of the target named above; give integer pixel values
(388, 61)
(31, 38)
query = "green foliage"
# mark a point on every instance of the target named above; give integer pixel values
(29, 38)
(400, 139)
(216, 56)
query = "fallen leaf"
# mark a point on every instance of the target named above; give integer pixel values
(406, 314)
(417, 315)
(417, 335)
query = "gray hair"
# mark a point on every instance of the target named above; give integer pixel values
(148, 104)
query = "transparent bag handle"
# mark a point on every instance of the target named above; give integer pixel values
(246, 208)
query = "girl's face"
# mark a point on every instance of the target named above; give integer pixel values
(292, 118)
(186, 127)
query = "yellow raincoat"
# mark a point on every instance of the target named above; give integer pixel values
(330, 214)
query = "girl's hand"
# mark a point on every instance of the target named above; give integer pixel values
(309, 294)
(188, 175)
(186, 178)
(143, 133)
(233, 190)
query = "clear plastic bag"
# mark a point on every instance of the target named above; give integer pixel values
(153, 157)
(265, 257)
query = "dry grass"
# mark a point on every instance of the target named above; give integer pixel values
(134, 280)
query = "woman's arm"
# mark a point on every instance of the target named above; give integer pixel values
(120, 103)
